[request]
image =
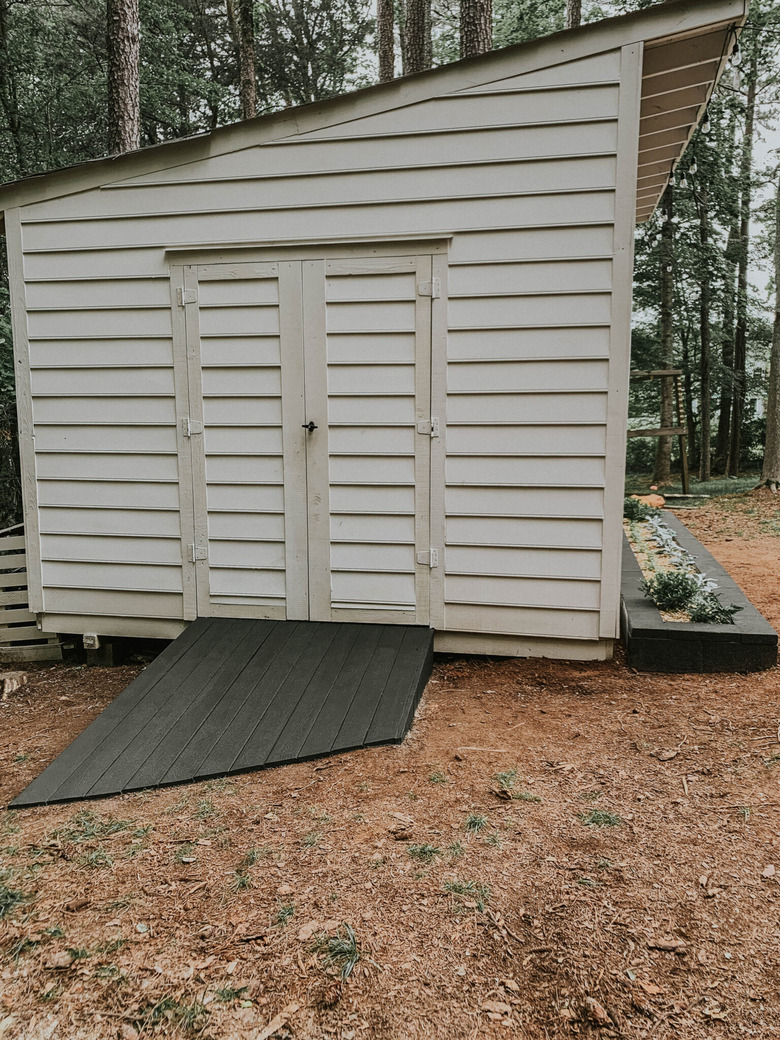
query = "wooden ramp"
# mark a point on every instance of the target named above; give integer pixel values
(234, 695)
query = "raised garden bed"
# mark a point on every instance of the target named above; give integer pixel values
(655, 645)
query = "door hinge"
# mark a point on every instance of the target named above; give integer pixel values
(198, 552)
(429, 426)
(191, 427)
(429, 556)
(186, 296)
(430, 288)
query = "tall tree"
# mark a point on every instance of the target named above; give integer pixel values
(663, 454)
(770, 472)
(385, 11)
(740, 330)
(123, 39)
(705, 354)
(246, 57)
(417, 40)
(573, 13)
(476, 27)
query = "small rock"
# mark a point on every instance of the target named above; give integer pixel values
(285, 890)
(496, 1007)
(61, 959)
(768, 871)
(511, 985)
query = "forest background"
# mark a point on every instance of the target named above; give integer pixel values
(707, 263)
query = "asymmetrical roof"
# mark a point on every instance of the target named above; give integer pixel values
(686, 45)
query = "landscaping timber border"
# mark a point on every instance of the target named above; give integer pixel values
(655, 645)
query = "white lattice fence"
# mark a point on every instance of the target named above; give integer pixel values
(20, 639)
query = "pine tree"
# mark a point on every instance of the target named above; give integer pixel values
(476, 27)
(124, 81)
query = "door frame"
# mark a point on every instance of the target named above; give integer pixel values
(288, 254)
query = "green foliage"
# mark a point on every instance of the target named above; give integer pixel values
(10, 898)
(425, 853)
(600, 818)
(475, 823)
(341, 950)
(670, 590)
(709, 610)
(478, 894)
(633, 509)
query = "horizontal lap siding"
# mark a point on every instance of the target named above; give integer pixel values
(523, 179)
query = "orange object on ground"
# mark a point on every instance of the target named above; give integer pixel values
(656, 501)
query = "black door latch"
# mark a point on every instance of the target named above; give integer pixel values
(310, 426)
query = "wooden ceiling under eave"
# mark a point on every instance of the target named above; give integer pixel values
(679, 75)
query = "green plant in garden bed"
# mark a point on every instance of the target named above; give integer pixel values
(670, 590)
(633, 509)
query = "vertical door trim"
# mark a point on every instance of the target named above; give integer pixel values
(183, 445)
(316, 443)
(296, 535)
(195, 385)
(438, 455)
(422, 456)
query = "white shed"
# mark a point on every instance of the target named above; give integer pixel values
(362, 360)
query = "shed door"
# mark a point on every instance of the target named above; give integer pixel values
(326, 523)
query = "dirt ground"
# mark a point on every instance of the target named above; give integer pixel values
(557, 850)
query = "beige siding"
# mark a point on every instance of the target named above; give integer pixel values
(521, 180)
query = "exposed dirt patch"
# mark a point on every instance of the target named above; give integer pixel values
(630, 888)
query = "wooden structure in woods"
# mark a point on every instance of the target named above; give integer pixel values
(362, 360)
(679, 430)
(20, 637)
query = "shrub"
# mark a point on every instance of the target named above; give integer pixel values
(710, 611)
(671, 590)
(633, 509)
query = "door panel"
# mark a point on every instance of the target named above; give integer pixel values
(318, 525)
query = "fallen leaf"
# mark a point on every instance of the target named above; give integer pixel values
(309, 929)
(669, 945)
(597, 1012)
(649, 988)
(496, 1007)
(277, 1022)
(511, 985)
(76, 904)
(665, 756)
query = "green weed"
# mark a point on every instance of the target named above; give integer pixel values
(424, 853)
(285, 914)
(478, 894)
(228, 994)
(97, 859)
(171, 1012)
(185, 853)
(600, 818)
(311, 839)
(437, 777)
(475, 823)
(86, 825)
(10, 898)
(341, 950)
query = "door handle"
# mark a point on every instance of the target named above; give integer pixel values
(310, 426)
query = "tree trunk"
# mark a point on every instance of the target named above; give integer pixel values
(245, 11)
(663, 454)
(690, 416)
(740, 331)
(723, 436)
(385, 41)
(705, 336)
(123, 38)
(573, 13)
(9, 98)
(476, 27)
(417, 36)
(770, 473)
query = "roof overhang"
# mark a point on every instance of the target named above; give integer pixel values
(679, 73)
(686, 45)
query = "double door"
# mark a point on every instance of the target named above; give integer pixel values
(305, 450)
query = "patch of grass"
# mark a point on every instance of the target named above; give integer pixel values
(21, 758)
(109, 972)
(364, 786)
(311, 839)
(526, 796)
(78, 954)
(285, 914)
(223, 784)
(241, 881)
(205, 809)
(437, 777)
(413, 796)
(227, 994)
(10, 898)
(587, 882)
(318, 814)
(475, 823)
(55, 932)
(171, 1012)
(506, 780)
(424, 853)
(120, 904)
(185, 852)
(589, 796)
(8, 824)
(602, 863)
(493, 839)
(478, 894)
(86, 825)
(772, 760)
(600, 818)
(342, 951)
(16, 949)
(97, 859)
(111, 947)
(455, 849)
(141, 832)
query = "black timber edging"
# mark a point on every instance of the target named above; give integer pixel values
(655, 645)
(234, 695)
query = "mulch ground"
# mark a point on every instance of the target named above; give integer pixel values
(557, 850)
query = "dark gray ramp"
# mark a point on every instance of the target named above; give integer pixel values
(232, 695)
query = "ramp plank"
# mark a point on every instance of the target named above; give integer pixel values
(231, 695)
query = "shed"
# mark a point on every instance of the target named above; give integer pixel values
(363, 360)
